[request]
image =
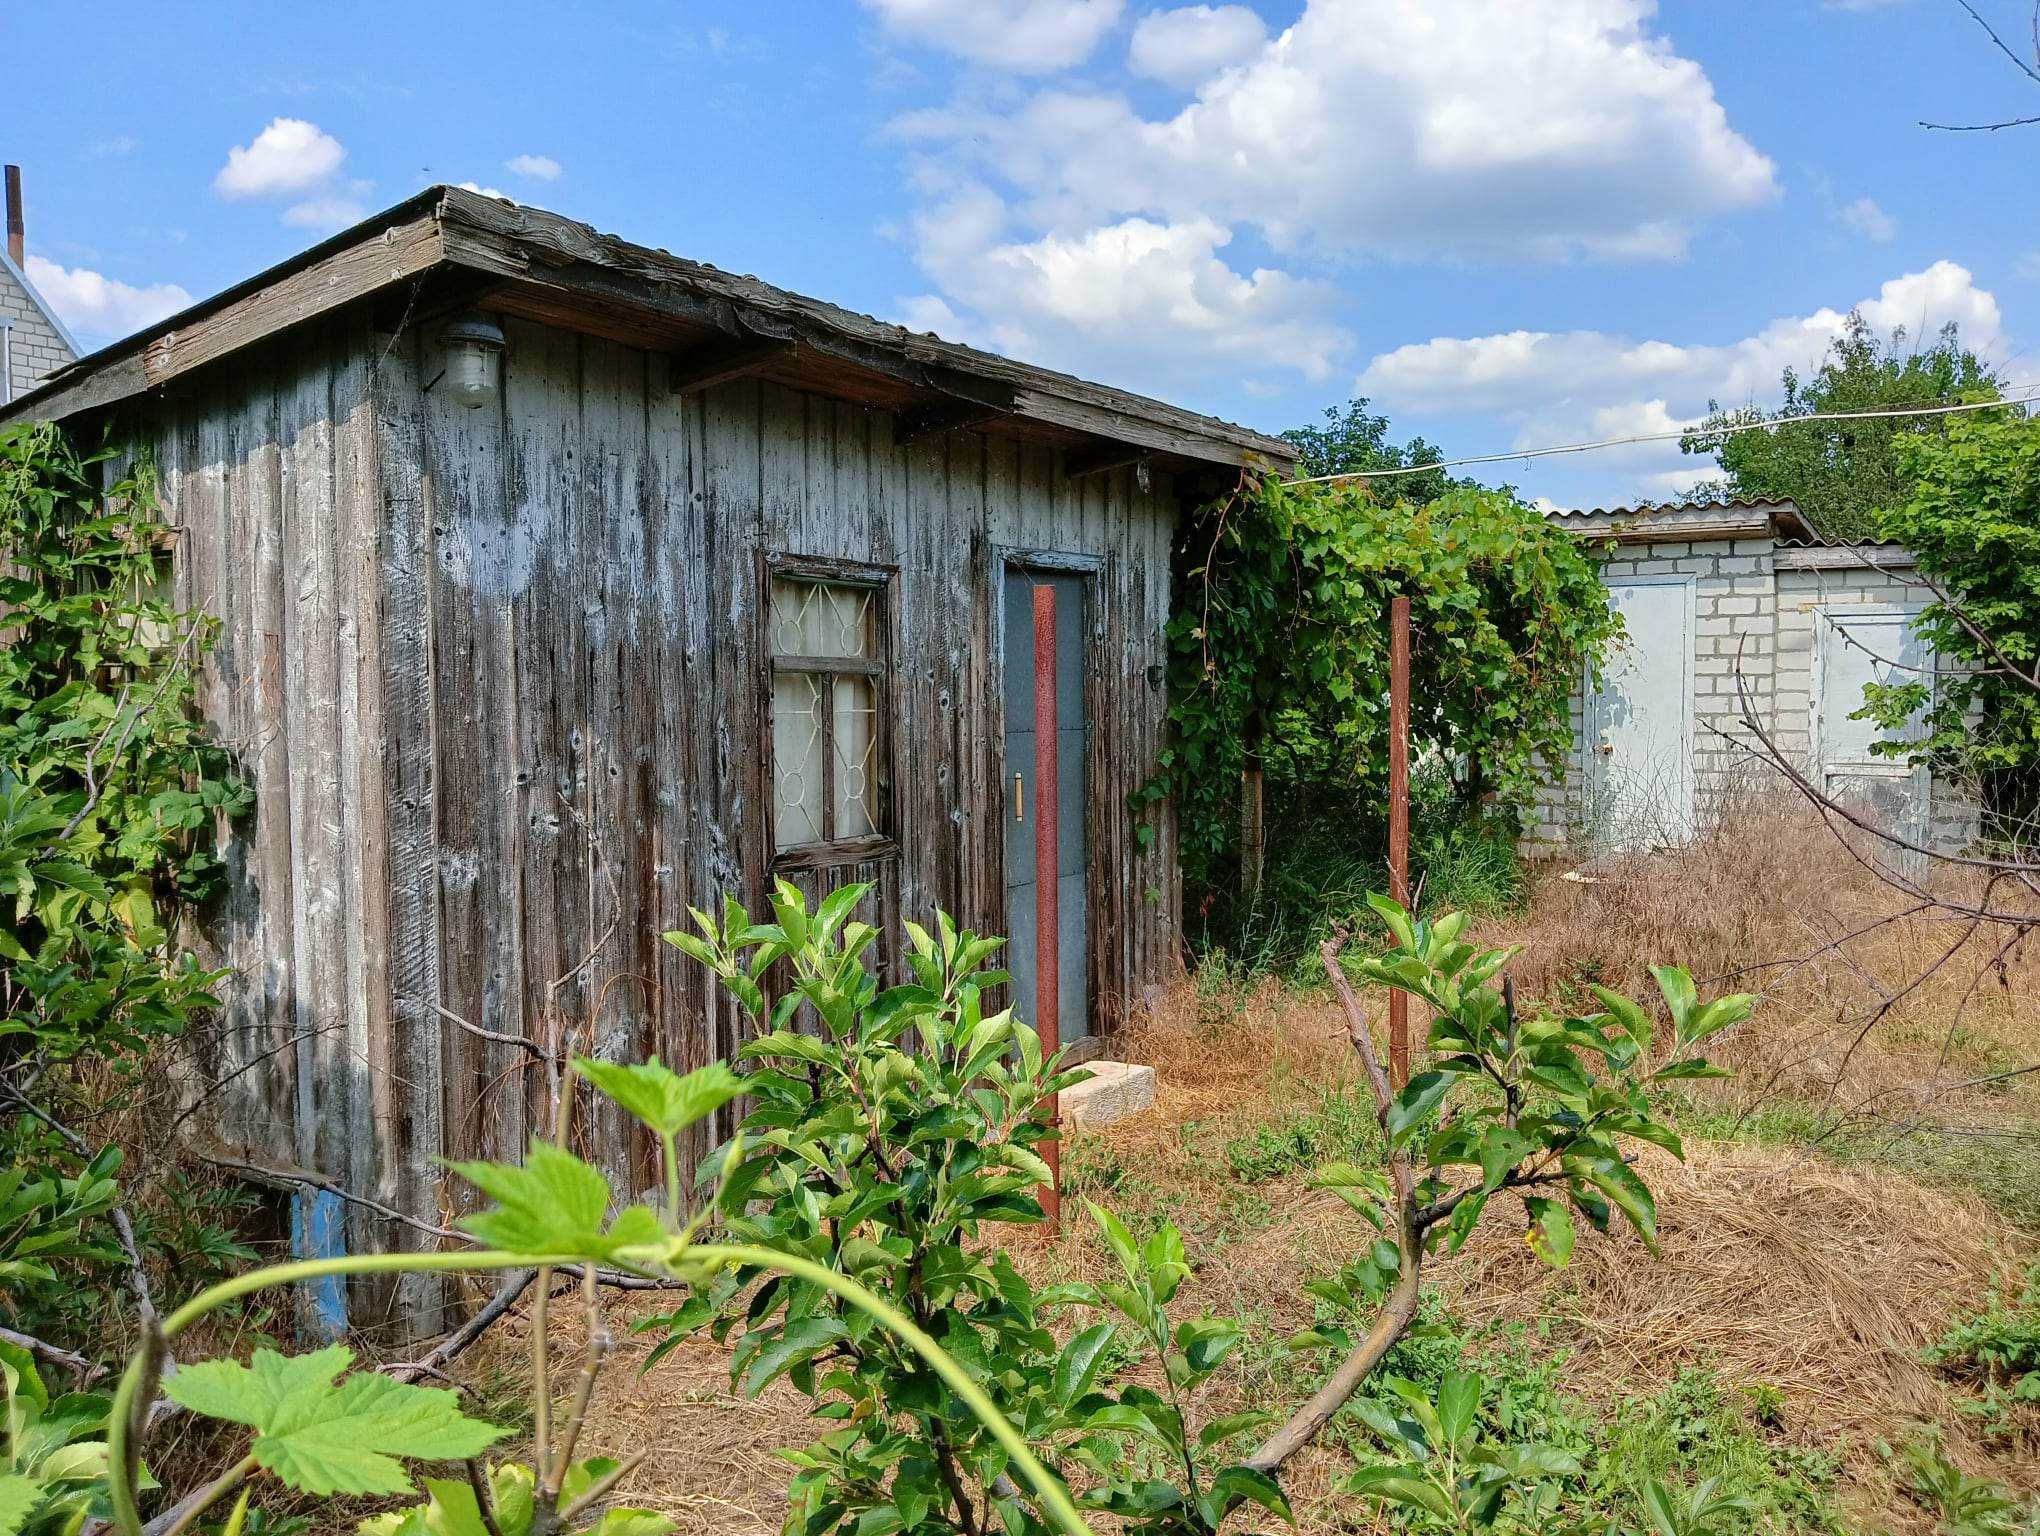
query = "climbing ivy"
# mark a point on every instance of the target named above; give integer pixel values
(112, 794)
(1280, 644)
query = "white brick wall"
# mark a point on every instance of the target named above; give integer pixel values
(34, 344)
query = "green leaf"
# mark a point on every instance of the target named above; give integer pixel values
(19, 1497)
(1502, 1150)
(1676, 983)
(792, 1345)
(1629, 1014)
(1396, 916)
(322, 1438)
(553, 1205)
(1718, 1015)
(1628, 1193)
(1693, 1068)
(1245, 1483)
(1551, 1230)
(1458, 1404)
(663, 1099)
(1081, 1360)
(1398, 1486)
(1420, 1096)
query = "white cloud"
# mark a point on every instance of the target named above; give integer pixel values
(118, 147)
(1509, 129)
(1515, 370)
(1142, 302)
(100, 306)
(1868, 220)
(1588, 386)
(536, 167)
(290, 155)
(325, 214)
(1027, 35)
(1188, 45)
(1062, 223)
(2028, 267)
(486, 191)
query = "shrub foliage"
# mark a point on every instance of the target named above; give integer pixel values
(1280, 645)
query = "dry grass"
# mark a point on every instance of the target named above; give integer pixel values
(1884, 1017)
(1781, 1268)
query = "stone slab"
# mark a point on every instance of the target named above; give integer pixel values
(1115, 1090)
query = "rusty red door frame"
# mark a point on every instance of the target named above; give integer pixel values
(1047, 873)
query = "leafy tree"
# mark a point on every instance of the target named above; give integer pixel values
(1280, 646)
(1972, 520)
(1841, 472)
(1357, 439)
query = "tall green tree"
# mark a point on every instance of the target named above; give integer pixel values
(1840, 473)
(1355, 438)
(1972, 521)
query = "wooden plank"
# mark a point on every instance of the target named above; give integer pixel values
(311, 702)
(357, 818)
(413, 1133)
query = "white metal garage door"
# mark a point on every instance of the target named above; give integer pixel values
(1639, 726)
(1854, 647)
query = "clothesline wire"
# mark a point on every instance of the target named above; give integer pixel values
(1662, 437)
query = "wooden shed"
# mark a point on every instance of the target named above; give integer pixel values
(712, 584)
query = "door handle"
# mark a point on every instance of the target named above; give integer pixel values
(1019, 800)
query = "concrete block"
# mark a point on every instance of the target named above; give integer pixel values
(1115, 1090)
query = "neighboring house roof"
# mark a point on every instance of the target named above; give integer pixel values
(1752, 519)
(42, 305)
(445, 249)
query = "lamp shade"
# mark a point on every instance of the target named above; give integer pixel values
(473, 347)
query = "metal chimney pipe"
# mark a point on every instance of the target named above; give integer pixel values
(17, 231)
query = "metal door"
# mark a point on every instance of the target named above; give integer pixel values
(1854, 647)
(1047, 921)
(1640, 722)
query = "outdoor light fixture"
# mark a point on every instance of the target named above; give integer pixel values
(473, 346)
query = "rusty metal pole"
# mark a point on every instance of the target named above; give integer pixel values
(1047, 884)
(1399, 817)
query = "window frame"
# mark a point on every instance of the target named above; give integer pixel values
(883, 582)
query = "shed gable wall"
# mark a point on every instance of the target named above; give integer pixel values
(498, 676)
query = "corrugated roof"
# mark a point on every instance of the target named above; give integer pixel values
(1646, 509)
(1779, 517)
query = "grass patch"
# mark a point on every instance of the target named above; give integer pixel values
(1999, 1163)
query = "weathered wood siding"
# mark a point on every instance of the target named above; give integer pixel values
(499, 678)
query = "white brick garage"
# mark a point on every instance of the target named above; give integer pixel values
(1718, 598)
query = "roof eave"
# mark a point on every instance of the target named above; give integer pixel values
(449, 228)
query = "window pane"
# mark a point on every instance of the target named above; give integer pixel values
(856, 722)
(813, 618)
(796, 759)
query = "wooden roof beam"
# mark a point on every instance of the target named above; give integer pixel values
(939, 417)
(717, 362)
(1082, 463)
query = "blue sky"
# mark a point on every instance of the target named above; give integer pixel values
(1510, 222)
